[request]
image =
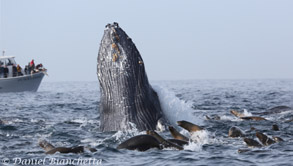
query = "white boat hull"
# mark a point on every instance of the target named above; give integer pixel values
(21, 83)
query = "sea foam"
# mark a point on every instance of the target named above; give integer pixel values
(174, 108)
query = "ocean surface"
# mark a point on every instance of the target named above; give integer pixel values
(67, 114)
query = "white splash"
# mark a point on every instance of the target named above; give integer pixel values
(174, 108)
(246, 112)
(192, 146)
(198, 139)
(201, 137)
(234, 118)
(123, 135)
(229, 118)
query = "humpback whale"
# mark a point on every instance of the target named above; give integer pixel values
(125, 93)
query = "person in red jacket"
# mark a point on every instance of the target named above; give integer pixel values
(32, 66)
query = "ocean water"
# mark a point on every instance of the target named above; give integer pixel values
(67, 114)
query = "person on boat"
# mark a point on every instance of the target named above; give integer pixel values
(26, 70)
(29, 68)
(5, 71)
(9, 63)
(39, 67)
(32, 65)
(14, 71)
(19, 73)
(1, 71)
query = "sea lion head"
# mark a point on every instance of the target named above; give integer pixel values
(251, 142)
(176, 134)
(278, 139)
(236, 113)
(46, 145)
(264, 139)
(275, 127)
(235, 132)
(189, 126)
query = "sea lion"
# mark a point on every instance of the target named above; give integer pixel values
(252, 143)
(126, 95)
(290, 120)
(278, 139)
(176, 134)
(235, 132)
(50, 149)
(178, 142)
(3, 122)
(276, 110)
(275, 127)
(264, 139)
(236, 113)
(252, 128)
(189, 126)
(164, 142)
(207, 117)
(140, 143)
(243, 150)
(215, 117)
(256, 118)
(242, 116)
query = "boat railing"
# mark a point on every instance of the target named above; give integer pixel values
(24, 74)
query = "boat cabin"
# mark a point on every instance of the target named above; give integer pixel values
(9, 62)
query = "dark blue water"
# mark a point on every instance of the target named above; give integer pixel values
(67, 114)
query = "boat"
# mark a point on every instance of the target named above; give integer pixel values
(19, 81)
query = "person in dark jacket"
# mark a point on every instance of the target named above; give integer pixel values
(39, 66)
(1, 71)
(6, 72)
(26, 69)
(29, 69)
(14, 71)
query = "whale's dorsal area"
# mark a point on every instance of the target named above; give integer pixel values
(126, 95)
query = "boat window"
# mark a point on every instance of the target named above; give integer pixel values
(7, 62)
(11, 61)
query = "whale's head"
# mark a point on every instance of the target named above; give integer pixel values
(118, 55)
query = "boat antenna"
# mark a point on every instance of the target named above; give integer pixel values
(1, 26)
(3, 52)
